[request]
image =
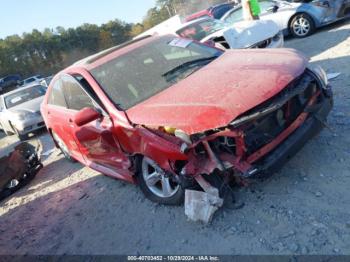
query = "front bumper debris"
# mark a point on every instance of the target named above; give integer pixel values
(286, 150)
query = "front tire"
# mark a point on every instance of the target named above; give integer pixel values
(156, 185)
(302, 25)
(20, 137)
(63, 147)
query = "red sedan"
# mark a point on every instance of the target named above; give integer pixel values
(166, 112)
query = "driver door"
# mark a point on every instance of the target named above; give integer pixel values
(96, 141)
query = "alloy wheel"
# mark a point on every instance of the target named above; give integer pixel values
(301, 26)
(157, 181)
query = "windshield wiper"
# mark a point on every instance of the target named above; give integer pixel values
(189, 64)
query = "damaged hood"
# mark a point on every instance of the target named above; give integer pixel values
(218, 93)
(247, 33)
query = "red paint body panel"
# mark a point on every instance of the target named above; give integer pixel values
(221, 91)
(211, 97)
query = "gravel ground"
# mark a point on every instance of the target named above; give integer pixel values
(304, 209)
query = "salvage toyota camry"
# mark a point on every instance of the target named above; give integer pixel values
(166, 112)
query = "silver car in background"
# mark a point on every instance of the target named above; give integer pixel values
(297, 17)
(20, 111)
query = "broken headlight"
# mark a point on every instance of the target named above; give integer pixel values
(178, 133)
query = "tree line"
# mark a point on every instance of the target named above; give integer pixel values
(46, 52)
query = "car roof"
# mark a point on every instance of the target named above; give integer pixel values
(104, 56)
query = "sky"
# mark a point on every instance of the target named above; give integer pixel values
(18, 16)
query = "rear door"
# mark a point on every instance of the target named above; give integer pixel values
(96, 141)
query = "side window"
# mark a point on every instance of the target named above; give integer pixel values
(56, 96)
(76, 97)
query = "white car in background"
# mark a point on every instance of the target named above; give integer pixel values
(245, 34)
(20, 111)
(32, 80)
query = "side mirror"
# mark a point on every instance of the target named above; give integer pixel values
(86, 115)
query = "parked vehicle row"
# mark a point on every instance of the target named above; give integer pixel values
(297, 17)
(167, 113)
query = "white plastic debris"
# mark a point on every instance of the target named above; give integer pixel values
(331, 76)
(201, 206)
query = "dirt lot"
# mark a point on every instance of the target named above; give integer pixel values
(303, 209)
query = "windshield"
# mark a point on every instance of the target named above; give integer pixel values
(147, 70)
(201, 29)
(24, 95)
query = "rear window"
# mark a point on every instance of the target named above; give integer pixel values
(24, 95)
(142, 73)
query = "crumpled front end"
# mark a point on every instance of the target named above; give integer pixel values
(262, 139)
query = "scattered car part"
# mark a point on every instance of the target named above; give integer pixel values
(19, 163)
(201, 206)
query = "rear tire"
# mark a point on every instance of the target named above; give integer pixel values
(302, 25)
(158, 187)
(63, 147)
